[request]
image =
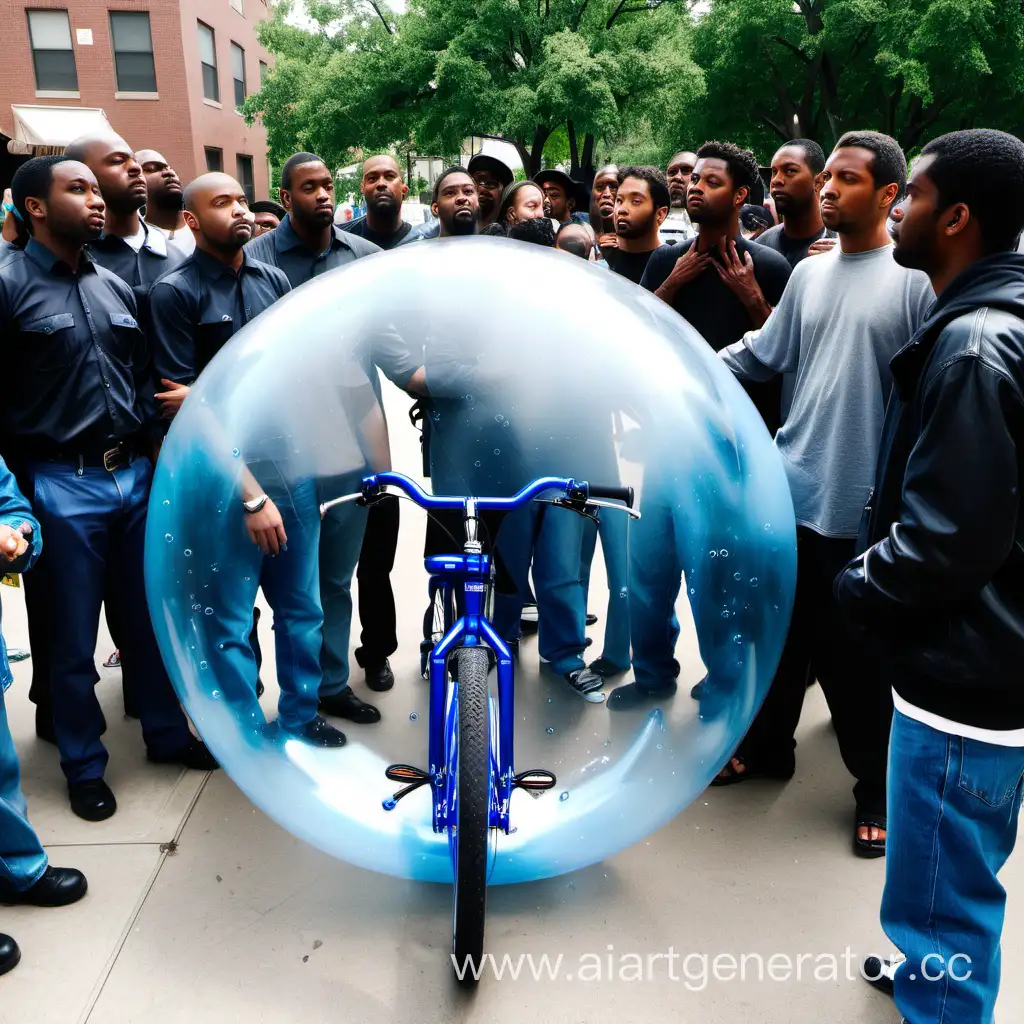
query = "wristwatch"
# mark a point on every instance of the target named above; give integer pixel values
(252, 507)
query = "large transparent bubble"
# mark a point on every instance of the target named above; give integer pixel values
(538, 365)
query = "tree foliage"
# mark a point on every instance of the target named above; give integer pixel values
(575, 73)
(778, 69)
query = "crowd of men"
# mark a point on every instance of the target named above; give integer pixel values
(875, 321)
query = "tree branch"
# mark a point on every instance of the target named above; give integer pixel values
(384, 21)
(614, 15)
(574, 152)
(769, 123)
(579, 15)
(791, 47)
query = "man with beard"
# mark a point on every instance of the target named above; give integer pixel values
(837, 349)
(492, 177)
(79, 424)
(194, 310)
(602, 206)
(305, 245)
(383, 192)
(456, 203)
(797, 177)
(680, 170)
(128, 247)
(164, 201)
(938, 589)
(641, 204)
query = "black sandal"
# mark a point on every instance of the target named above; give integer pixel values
(731, 776)
(869, 849)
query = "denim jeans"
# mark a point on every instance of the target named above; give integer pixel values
(22, 861)
(953, 808)
(554, 539)
(341, 540)
(614, 530)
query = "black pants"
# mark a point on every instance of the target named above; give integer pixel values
(819, 647)
(378, 639)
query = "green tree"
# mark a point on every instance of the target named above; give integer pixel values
(778, 69)
(573, 73)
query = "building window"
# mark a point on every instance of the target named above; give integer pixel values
(214, 159)
(133, 51)
(237, 5)
(208, 55)
(52, 53)
(264, 71)
(238, 72)
(245, 178)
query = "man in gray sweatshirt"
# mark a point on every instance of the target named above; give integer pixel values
(841, 319)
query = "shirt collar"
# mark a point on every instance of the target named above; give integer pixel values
(285, 237)
(212, 267)
(50, 262)
(154, 240)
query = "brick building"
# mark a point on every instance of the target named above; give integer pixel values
(166, 74)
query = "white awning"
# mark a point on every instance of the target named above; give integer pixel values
(38, 128)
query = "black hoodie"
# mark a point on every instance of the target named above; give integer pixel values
(941, 587)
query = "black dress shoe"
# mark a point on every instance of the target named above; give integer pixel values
(879, 974)
(319, 733)
(591, 619)
(347, 705)
(92, 799)
(193, 755)
(607, 669)
(10, 955)
(633, 695)
(379, 676)
(56, 888)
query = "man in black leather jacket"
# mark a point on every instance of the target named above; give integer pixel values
(940, 589)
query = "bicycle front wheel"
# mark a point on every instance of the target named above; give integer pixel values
(470, 842)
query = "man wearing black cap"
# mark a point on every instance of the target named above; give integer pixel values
(268, 215)
(492, 177)
(561, 195)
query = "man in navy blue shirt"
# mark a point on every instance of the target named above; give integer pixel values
(383, 192)
(194, 310)
(305, 245)
(128, 247)
(80, 426)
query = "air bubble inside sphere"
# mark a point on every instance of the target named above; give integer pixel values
(535, 364)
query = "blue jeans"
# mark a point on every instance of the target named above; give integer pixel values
(291, 587)
(614, 530)
(953, 808)
(22, 861)
(341, 540)
(553, 538)
(94, 522)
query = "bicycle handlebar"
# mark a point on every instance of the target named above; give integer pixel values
(576, 493)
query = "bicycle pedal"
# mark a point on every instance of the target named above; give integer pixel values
(415, 777)
(535, 779)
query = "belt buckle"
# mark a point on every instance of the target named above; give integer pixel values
(112, 459)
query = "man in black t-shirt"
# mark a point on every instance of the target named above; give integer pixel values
(797, 179)
(383, 191)
(641, 204)
(723, 284)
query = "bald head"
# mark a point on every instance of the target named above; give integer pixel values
(113, 162)
(163, 186)
(218, 213)
(575, 239)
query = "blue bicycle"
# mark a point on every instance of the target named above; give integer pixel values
(470, 754)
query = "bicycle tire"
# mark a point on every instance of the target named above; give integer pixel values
(473, 811)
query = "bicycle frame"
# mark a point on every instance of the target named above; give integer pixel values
(468, 574)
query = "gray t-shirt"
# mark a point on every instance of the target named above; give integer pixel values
(841, 319)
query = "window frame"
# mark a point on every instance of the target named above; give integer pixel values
(235, 81)
(48, 88)
(204, 67)
(152, 54)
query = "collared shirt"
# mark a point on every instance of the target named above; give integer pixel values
(405, 234)
(200, 304)
(85, 377)
(137, 268)
(283, 248)
(15, 510)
